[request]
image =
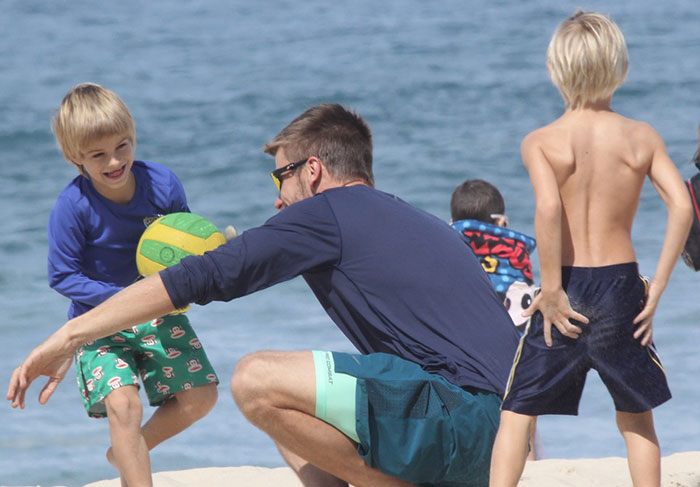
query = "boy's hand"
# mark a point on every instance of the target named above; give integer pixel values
(644, 331)
(557, 311)
(43, 360)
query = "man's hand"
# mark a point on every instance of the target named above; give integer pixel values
(49, 359)
(557, 311)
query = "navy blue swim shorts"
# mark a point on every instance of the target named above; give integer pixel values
(550, 380)
(418, 426)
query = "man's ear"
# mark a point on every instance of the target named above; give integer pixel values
(315, 170)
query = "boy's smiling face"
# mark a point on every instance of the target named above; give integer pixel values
(107, 161)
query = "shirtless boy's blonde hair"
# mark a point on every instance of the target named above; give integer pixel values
(87, 113)
(587, 58)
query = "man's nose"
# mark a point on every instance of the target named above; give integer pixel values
(279, 204)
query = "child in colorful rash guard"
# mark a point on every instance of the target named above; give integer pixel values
(478, 214)
(594, 311)
(93, 233)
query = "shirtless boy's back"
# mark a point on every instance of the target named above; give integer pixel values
(599, 160)
(587, 169)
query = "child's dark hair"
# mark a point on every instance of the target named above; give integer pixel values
(476, 199)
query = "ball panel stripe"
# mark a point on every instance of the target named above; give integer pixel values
(172, 237)
(162, 253)
(189, 223)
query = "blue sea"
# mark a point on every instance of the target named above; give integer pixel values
(449, 88)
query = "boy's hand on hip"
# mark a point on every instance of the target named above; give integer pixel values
(557, 311)
(644, 332)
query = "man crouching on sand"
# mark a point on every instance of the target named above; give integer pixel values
(420, 405)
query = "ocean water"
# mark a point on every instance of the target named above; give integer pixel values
(449, 89)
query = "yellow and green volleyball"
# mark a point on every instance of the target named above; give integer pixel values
(173, 237)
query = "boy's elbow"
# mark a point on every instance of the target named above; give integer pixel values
(682, 211)
(61, 283)
(55, 281)
(688, 214)
(548, 210)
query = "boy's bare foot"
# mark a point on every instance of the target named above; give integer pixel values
(111, 459)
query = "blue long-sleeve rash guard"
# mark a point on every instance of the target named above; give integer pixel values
(92, 240)
(393, 278)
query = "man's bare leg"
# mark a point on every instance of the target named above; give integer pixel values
(310, 475)
(276, 391)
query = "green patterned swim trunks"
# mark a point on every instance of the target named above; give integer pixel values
(165, 353)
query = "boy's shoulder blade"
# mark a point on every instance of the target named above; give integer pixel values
(553, 129)
(641, 129)
(547, 138)
(641, 136)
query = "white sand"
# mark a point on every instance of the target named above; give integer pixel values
(678, 470)
(219, 477)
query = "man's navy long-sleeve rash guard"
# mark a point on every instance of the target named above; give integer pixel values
(393, 278)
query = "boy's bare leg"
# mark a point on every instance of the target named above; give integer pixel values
(276, 391)
(310, 475)
(175, 415)
(532, 455)
(178, 413)
(643, 452)
(510, 449)
(124, 413)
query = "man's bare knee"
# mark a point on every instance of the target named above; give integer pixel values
(248, 381)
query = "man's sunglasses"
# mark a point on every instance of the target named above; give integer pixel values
(276, 175)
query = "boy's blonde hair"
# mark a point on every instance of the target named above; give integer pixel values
(89, 112)
(587, 58)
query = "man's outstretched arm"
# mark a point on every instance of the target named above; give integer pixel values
(142, 301)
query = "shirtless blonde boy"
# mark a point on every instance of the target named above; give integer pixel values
(587, 169)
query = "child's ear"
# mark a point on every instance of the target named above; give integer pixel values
(501, 221)
(81, 169)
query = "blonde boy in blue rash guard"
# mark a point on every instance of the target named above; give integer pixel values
(587, 169)
(93, 231)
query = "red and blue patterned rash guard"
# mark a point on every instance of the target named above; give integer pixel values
(505, 256)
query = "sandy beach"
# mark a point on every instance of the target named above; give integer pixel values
(678, 470)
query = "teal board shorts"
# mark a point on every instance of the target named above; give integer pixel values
(165, 353)
(408, 423)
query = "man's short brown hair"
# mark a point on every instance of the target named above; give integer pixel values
(339, 137)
